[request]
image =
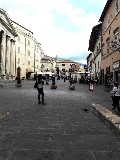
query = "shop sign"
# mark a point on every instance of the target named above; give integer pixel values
(116, 65)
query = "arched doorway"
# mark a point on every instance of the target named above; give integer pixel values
(28, 73)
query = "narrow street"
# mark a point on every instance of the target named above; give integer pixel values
(63, 129)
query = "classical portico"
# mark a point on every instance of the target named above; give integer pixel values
(7, 46)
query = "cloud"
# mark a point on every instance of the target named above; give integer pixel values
(68, 38)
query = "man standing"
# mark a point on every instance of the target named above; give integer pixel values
(40, 84)
(116, 97)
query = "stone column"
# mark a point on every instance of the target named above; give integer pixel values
(7, 58)
(3, 50)
(12, 58)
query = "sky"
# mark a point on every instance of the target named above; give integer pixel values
(63, 27)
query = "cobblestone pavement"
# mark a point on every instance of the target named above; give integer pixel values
(64, 129)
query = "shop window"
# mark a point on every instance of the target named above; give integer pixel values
(118, 76)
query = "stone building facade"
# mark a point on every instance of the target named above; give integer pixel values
(24, 51)
(110, 64)
(20, 53)
(7, 46)
(37, 56)
(68, 65)
(48, 64)
(109, 39)
(94, 59)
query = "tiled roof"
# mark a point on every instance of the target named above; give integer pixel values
(94, 36)
(89, 56)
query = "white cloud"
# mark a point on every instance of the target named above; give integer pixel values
(36, 16)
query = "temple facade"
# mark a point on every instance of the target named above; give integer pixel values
(7, 46)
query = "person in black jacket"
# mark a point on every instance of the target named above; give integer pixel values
(40, 84)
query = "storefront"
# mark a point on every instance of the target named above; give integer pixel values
(116, 69)
(108, 77)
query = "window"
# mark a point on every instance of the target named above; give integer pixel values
(18, 49)
(116, 38)
(102, 50)
(97, 48)
(18, 38)
(108, 44)
(28, 43)
(103, 28)
(28, 53)
(18, 60)
(95, 67)
(63, 64)
(98, 65)
(116, 7)
(28, 63)
(108, 20)
(99, 45)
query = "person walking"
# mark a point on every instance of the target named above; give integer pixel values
(47, 79)
(116, 96)
(39, 85)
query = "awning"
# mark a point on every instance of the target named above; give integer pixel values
(29, 70)
(82, 72)
(44, 73)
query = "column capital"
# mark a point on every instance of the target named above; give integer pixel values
(7, 36)
(12, 40)
(2, 31)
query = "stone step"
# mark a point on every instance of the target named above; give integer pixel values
(109, 118)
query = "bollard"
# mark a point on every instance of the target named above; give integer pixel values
(90, 86)
(19, 84)
(53, 86)
(1, 85)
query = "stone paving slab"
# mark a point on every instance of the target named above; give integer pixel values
(61, 130)
(110, 119)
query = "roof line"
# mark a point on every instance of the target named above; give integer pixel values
(22, 26)
(105, 10)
